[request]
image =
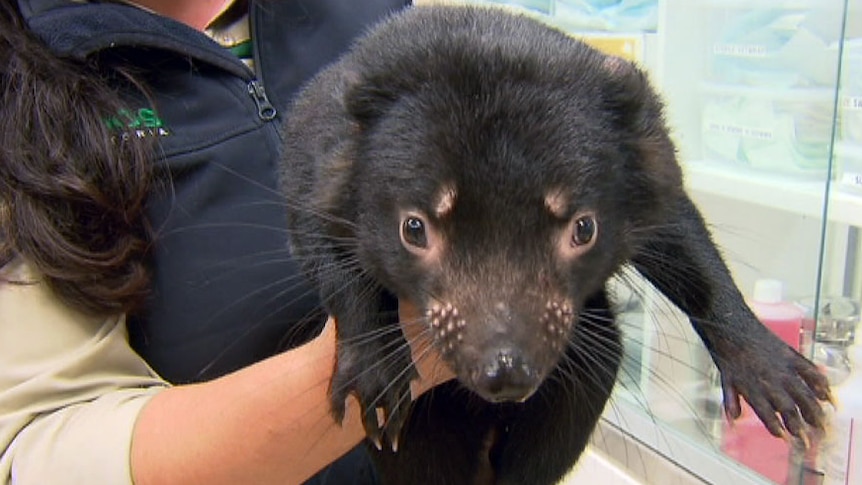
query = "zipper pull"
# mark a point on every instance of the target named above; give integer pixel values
(265, 109)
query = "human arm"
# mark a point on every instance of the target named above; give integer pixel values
(72, 391)
(267, 423)
(263, 424)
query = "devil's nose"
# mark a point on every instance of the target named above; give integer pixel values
(505, 376)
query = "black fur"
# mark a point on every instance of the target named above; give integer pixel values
(507, 111)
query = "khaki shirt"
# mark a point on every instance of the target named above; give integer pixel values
(71, 389)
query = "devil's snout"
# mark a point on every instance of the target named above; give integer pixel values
(504, 376)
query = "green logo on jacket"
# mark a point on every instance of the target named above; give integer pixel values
(141, 123)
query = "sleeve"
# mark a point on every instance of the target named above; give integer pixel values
(71, 389)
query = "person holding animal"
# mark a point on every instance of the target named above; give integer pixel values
(156, 327)
(142, 244)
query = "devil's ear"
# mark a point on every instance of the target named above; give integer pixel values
(628, 94)
(367, 99)
(367, 102)
(639, 111)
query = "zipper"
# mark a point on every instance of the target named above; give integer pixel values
(265, 110)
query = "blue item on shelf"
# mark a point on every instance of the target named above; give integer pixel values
(776, 47)
(541, 6)
(607, 15)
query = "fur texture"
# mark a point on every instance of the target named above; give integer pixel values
(497, 173)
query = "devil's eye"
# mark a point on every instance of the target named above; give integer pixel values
(584, 231)
(413, 232)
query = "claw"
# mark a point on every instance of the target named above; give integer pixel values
(384, 394)
(380, 413)
(830, 398)
(394, 424)
(806, 442)
(730, 420)
(377, 443)
(372, 428)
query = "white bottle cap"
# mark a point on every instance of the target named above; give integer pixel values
(768, 291)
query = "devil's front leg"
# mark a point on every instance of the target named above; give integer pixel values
(373, 359)
(782, 387)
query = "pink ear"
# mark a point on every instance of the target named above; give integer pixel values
(616, 66)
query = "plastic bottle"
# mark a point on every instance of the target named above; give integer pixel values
(784, 318)
(747, 440)
(843, 450)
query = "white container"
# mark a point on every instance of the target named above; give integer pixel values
(843, 448)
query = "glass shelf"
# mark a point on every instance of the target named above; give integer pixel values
(771, 144)
(803, 197)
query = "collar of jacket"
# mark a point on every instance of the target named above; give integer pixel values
(293, 39)
(78, 30)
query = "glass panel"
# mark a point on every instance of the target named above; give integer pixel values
(750, 87)
(752, 97)
(836, 345)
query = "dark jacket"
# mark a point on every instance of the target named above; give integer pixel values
(226, 292)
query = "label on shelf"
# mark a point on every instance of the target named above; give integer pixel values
(852, 179)
(743, 131)
(739, 50)
(628, 47)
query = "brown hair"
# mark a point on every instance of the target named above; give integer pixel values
(72, 193)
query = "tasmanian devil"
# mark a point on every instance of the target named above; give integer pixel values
(497, 173)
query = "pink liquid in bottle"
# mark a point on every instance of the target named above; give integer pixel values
(747, 440)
